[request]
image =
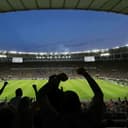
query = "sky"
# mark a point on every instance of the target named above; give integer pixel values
(62, 30)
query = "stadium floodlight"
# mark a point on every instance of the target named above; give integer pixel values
(65, 53)
(63, 57)
(104, 50)
(69, 56)
(50, 57)
(88, 51)
(3, 56)
(43, 57)
(13, 52)
(42, 53)
(51, 53)
(105, 54)
(66, 57)
(116, 47)
(96, 50)
(39, 57)
(55, 57)
(32, 53)
(56, 53)
(21, 53)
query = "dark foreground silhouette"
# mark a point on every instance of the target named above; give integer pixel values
(54, 107)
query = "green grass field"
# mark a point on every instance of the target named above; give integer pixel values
(80, 86)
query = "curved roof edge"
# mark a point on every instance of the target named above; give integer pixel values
(116, 6)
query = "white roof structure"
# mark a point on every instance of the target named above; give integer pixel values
(117, 6)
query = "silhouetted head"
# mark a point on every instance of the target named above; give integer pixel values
(53, 82)
(19, 92)
(70, 102)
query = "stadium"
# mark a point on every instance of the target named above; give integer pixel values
(109, 67)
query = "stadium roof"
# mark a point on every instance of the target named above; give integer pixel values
(118, 6)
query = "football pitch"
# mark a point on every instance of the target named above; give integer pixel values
(80, 86)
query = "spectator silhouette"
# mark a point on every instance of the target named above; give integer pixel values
(16, 100)
(48, 101)
(51, 89)
(63, 109)
(25, 117)
(3, 87)
(71, 108)
(97, 106)
(54, 107)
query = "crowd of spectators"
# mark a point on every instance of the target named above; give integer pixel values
(53, 107)
(35, 73)
(116, 113)
(112, 70)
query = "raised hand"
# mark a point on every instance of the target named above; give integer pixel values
(3, 87)
(34, 86)
(5, 83)
(81, 71)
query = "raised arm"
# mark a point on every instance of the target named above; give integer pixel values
(53, 83)
(48, 87)
(35, 90)
(96, 108)
(3, 87)
(94, 86)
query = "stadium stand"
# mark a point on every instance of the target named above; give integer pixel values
(111, 64)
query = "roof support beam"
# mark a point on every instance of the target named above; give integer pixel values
(64, 3)
(50, 3)
(89, 6)
(37, 4)
(22, 3)
(77, 4)
(116, 4)
(10, 5)
(1, 10)
(124, 9)
(104, 4)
